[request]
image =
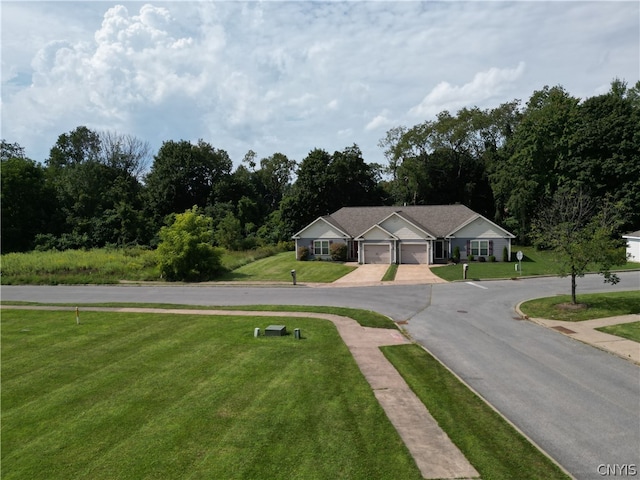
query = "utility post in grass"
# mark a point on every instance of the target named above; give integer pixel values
(77, 316)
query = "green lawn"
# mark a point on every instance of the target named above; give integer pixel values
(630, 331)
(598, 305)
(534, 263)
(492, 445)
(277, 268)
(133, 396)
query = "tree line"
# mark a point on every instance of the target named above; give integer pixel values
(101, 189)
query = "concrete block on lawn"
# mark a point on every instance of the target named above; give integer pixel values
(275, 331)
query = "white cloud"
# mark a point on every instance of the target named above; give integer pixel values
(485, 85)
(292, 76)
(379, 121)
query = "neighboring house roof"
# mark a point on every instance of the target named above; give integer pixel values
(437, 220)
(635, 234)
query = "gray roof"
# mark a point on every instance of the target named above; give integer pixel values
(635, 234)
(438, 220)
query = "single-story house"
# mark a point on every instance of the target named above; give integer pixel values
(423, 234)
(633, 246)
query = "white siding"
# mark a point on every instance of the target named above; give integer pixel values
(402, 229)
(321, 230)
(633, 249)
(479, 228)
(376, 234)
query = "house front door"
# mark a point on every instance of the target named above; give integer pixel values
(353, 250)
(441, 250)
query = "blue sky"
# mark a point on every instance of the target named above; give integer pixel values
(292, 76)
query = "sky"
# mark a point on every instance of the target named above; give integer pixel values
(292, 76)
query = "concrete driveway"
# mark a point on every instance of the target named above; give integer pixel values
(370, 274)
(416, 275)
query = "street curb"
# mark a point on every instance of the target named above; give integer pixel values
(540, 322)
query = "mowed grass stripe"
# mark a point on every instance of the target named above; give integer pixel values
(121, 389)
(58, 332)
(198, 398)
(186, 418)
(328, 455)
(106, 385)
(81, 352)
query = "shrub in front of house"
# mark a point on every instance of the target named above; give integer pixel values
(338, 252)
(470, 257)
(492, 258)
(303, 254)
(505, 254)
(481, 259)
(456, 254)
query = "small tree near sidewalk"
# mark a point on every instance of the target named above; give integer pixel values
(185, 251)
(581, 235)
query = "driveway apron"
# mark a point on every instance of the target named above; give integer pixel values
(368, 274)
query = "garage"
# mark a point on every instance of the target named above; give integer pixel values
(377, 253)
(414, 253)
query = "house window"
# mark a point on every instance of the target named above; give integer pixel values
(321, 247)
(480, 248)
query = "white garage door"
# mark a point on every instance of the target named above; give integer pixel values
(414, 253)
(377, 254)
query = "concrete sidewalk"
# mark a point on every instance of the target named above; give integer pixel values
(436, 456)
(586, 332)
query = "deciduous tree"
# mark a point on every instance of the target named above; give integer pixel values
(183, 175)
(28, 203)
(327, 182)
(580, 234)
(185, 251)
(95, 179)
(538, 145)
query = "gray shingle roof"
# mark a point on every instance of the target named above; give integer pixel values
(439, 220)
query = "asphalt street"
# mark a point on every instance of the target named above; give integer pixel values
(579, 404)
(400, 302)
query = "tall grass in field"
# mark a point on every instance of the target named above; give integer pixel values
(104, 265)
(79, 266)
